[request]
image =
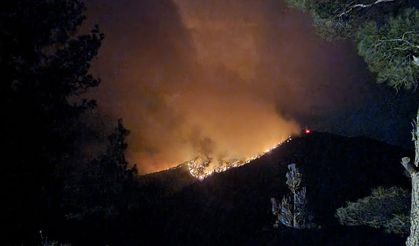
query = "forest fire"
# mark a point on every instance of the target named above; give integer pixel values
(202, 167)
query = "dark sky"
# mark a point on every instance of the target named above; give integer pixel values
(230, 78)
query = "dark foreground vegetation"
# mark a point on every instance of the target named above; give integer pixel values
(233, 208)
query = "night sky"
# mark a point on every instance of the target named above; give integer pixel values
(232, 78)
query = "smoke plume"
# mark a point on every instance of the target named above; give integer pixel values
(222, 79)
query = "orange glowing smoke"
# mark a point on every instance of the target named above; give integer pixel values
(201, 78)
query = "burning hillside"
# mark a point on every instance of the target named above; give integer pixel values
(203, 166)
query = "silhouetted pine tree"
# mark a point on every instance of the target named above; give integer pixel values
(45, 70)
(293, 211)
(107, 186)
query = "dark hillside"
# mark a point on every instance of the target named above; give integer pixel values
(166, 182)
(235, 205)
(233, 208)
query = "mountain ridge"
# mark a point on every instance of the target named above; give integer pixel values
(335, 169)
(233, 207)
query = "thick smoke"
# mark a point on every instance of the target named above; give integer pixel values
(218, 78)
(185, 86)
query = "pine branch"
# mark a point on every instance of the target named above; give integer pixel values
(362, 6)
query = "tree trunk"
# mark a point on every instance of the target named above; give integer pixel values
(296, 223)
(413, 239)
